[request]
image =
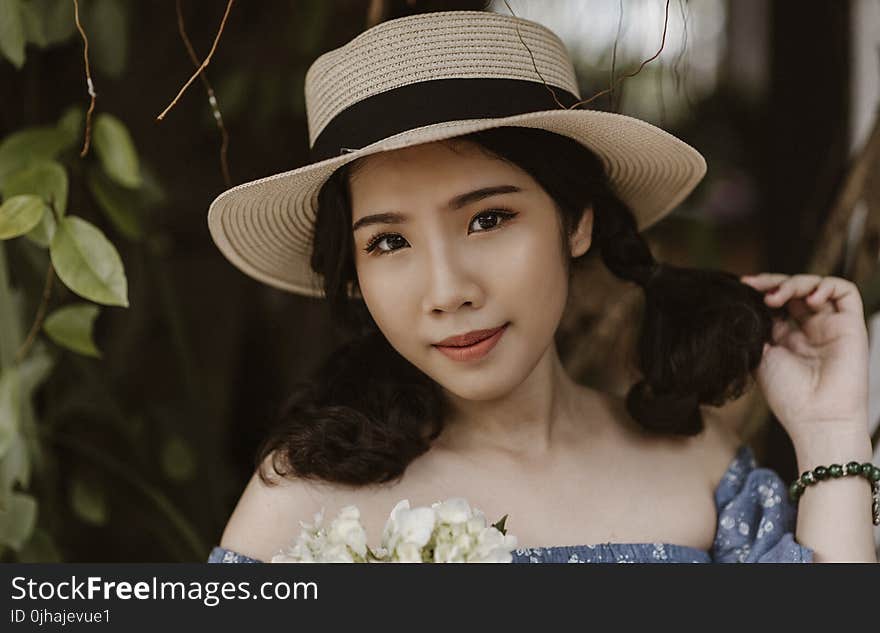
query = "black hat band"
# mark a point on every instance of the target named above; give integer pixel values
(425, 103)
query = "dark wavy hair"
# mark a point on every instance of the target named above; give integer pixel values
(367, 412)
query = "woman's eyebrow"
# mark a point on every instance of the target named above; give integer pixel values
(459, 201)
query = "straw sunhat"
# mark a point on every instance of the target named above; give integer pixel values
(429, 77)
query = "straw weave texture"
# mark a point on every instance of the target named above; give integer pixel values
(463, 44)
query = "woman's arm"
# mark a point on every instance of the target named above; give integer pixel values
(834, 515)
(815, 378)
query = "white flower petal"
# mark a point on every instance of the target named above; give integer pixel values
(416, 525)
(453, 510)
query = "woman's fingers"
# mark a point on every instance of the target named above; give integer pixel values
(787, 334)
(821, 294)
(842, 293)
(763, 281)
(800, 310)
(794, 286)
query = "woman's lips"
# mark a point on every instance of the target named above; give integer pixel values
(475, 351)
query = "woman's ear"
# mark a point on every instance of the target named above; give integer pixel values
(582, 237)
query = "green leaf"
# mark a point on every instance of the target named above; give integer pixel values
(88, 263)
(43, 233)
(19, 214)
(45, 178)
(178, 460)
(117, 203)
(15, 469)
(34, 26)
(35, 368)
(10, 407)
(108, 30)
(12, 32)
(15, 465)
(48, 22)
(41, 548)
(12, 314)
(116, 151)
(57, 17)
(500, 524)
(151, 194)
(71, 124)
(71, 326)
(20, 149)
(18, 520)
(88, 502)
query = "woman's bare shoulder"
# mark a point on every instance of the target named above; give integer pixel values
(711, 451)
(266, 517)
(717, 445)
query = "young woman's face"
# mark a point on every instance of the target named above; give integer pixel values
(460, 241)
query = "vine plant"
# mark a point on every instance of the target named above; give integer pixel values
(73, 272)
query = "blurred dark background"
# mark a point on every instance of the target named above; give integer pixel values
(142, 454)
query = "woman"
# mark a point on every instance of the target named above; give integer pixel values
(456, 186)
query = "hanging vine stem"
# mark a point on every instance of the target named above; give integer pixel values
(681, 76)
(203, 65)
(535, 65)
(212, 99)
(619, 79)
(676, 65)
(41, 315)
(637, 70)
(44, 302)
(89, 82)
(614, 55)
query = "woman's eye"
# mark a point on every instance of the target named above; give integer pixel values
(485, 221)
(488, 220)
(392, 243)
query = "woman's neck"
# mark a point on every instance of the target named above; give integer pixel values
(534, 420)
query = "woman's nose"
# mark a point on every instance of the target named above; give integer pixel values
(450, 283)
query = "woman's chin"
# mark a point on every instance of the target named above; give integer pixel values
(478, 388)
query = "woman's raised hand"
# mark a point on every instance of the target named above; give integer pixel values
(815, 373)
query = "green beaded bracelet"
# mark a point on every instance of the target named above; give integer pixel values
(820, 473)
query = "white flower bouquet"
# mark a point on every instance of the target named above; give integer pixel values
(448, 532)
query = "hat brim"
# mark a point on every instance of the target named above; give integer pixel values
(264, 227)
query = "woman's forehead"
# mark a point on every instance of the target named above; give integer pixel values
(429, 170)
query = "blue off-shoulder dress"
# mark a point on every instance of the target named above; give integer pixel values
(756, 524)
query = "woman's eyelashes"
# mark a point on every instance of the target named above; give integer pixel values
(484, 221)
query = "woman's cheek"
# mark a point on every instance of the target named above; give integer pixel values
(533, 270)
(388, 297)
